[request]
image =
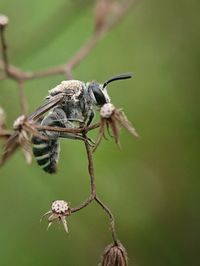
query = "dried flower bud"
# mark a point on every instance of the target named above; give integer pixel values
(113, 119)
(59, 210)
(107, 110)
(19, 122)
(3, 20)
(24, 129)
(114, 255)
(2, 117)
(4, 133)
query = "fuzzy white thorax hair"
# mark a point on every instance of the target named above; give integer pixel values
(64, 86)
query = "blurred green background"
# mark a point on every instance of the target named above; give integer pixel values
(152, 185)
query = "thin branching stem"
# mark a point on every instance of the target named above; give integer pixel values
(67, 130)
(5, 133)
(23, 99)
(112, 219)
(66, 68)
(4, 50)
(92, 178)
(11, 74)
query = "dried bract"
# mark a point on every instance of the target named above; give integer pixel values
(4, 133)
(23, 130)
(114, 255)
(3, 20)
(113, 119)
(59, 211)
(2, 118)
(23, 137)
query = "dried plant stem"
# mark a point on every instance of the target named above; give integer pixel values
(93, 195)
(4, 51)
(68, 130)
(12, 73)
(5, 133)
(112, 219)
(82, 53)
(92, 178)
(22, 96)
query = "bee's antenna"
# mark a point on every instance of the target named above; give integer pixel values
(118, 77)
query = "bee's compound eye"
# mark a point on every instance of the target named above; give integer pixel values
(98, 94)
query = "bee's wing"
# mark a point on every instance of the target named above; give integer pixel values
(53, 101)
(12, 142)
(10, 147)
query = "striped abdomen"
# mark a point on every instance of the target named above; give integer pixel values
(46, 153)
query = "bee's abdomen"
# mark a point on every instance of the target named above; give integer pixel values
(46, 153)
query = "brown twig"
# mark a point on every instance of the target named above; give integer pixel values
(22, 96)
(93, 195)
(68, 130)
(5, 133)
(12, 72)
(112, 219)
(92, 178)
(4, 50)
(82, 53)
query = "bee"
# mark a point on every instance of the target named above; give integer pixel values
(71, 104)
(74, 109)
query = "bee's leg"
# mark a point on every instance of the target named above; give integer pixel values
(91, 116)
(70, 136)
(76, 137)
(57, 118)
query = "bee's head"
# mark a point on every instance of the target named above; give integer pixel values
(99, 90)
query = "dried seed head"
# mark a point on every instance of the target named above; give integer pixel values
(3, 20)
(124, 122)
(59, 211)
(107, 110)
(60, 207)
(114, 254)
(19, 122)
(113, 119)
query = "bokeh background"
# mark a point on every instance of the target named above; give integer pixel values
(152, 185)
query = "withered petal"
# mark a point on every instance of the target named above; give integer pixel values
(100, 134)
(123, 121)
